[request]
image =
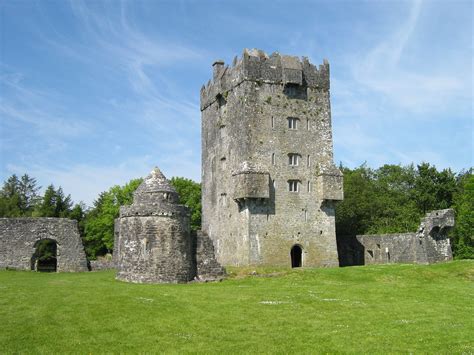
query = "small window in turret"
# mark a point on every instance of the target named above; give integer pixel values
(293, 159)
(293, 123)
(273, 159)
(293, 185)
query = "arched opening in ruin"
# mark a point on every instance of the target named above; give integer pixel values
(296, 256)
(435, 233)
(44, 258)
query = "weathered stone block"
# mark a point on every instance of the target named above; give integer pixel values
(329, 183)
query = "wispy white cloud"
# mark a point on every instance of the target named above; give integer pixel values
(382, 70)
(147, 107)
(43, 111)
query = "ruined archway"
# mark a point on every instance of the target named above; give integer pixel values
(20, 239)
(44, 258)
(296, 256)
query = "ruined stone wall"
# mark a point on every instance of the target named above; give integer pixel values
(429, 244)
(248, 210)
(18, 238)
(102, 263)
(207, 267)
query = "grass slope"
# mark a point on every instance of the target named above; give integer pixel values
(387, 308)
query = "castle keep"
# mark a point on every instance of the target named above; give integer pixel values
(269, 183)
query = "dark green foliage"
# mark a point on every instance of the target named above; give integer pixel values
(54, 204)
(463, 234)
(189, 195)
(433, 189)
(18, 197)
(394, 198)
(45, 250)
(377, 201)
(99, 222)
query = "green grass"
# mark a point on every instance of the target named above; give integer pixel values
(386, 308)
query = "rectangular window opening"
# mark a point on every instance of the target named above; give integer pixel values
(293, 185)
(293, 123)
(293, 159)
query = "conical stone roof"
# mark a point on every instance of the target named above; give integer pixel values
(155, 182)
(155, 197)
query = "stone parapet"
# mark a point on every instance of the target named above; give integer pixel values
(256, 65)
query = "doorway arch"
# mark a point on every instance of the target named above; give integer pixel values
(296, 256)
(44, 258)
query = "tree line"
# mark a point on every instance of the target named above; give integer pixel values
(390, 199)
(394, 198)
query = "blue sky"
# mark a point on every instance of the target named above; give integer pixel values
(94, 93)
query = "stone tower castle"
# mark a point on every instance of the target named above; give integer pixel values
(268, 179)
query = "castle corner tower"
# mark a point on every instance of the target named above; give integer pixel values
(269, 184)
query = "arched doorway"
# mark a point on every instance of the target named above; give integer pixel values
(44, 258)
(296, 256)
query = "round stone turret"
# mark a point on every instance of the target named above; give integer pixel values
(153, 235)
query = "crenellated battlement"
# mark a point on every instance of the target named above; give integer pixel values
(256, 65)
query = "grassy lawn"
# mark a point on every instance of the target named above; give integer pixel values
(387, 308)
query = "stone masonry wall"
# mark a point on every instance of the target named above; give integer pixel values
(207, 267)
(154, 249)
(18, 238)
(248, 210)
(429, 244)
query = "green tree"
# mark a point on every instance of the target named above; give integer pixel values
(47, 206)
(18, 197)
(28, 191)
(189, 195)
(432, 189)
(78, 213)
(99, 221)
(393, 198)
(394, 209)
(463, 233)
(53, 204)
